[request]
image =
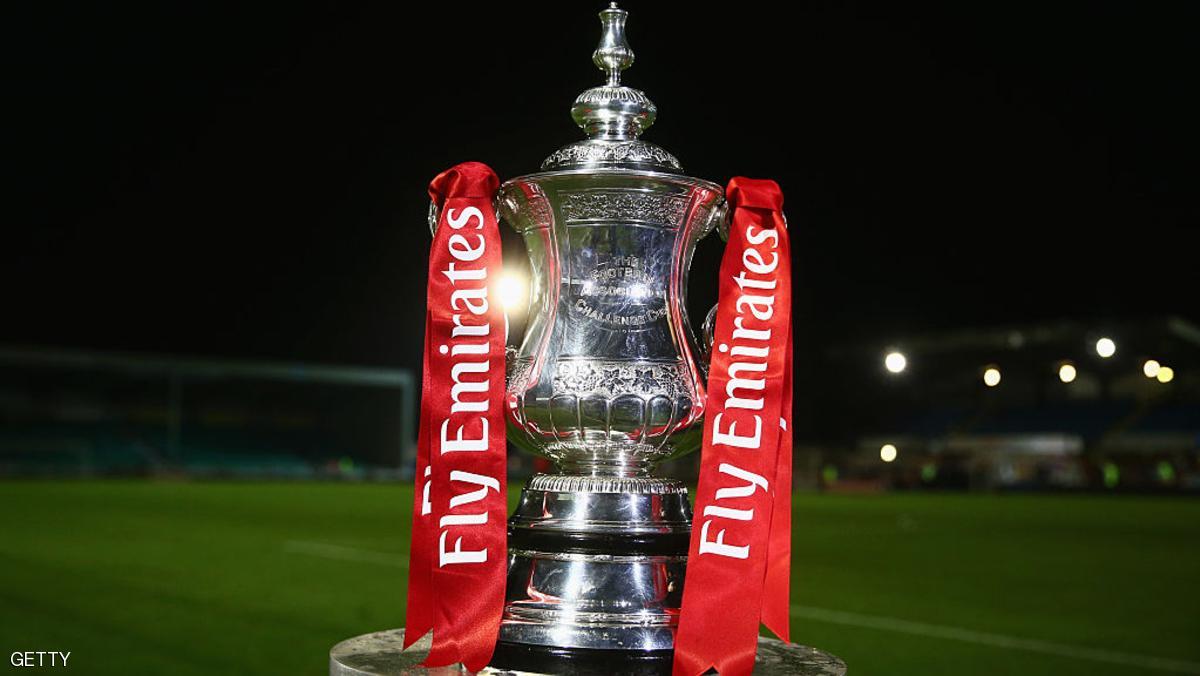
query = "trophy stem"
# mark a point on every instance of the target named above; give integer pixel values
(602, 468)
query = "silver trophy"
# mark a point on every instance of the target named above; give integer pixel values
(608, 382)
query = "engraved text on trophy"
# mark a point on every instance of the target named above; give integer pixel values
(620, 293)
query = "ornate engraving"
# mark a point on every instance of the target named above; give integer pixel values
(614, 378)
(624, 206)
(602, 152)
(602, 95)
(566, 483)
(517, 371)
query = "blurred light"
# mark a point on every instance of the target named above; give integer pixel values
(1166, 472)
(991, 376)
(1105, 347)
(1112, 475)
(1067, 373)
(829, 474)
(1165, 374)
(895, 362)
(928, 472)
(887, 453)
(1151, 368)
(511, 290)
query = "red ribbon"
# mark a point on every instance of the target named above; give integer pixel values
(458, 559)
(739, 559)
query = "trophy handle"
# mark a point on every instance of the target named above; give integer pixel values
(720, 218)
(434, 214)
(706, 339)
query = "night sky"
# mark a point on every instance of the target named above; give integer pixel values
(250, 181)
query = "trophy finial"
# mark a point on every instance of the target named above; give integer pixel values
(613, 55)
(613, 111)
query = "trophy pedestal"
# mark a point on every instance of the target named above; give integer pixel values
(380, 654)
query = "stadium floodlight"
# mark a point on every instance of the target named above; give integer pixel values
(991, 376)
(1151, 368)
(888, 452)
(895, 362)
(1067, 372)
(511, 290)
(1105, 347)
(1165, 374)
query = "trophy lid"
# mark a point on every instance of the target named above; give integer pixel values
(613, 115)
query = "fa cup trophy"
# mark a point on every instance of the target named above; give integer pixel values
(609, 380)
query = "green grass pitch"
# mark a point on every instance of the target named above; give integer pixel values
(240, 578)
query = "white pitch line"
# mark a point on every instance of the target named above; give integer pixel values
(341, 553)
(995, 640)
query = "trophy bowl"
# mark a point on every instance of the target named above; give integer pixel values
(607, 381)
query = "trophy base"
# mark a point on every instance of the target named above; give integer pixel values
(523, 657)
(596, 565)
(380, 654)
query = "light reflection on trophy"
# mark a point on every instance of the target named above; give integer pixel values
(608, 381)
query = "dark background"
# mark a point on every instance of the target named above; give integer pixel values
(249, 181)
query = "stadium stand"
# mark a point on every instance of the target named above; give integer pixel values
(91, 414)
(1111, 423)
